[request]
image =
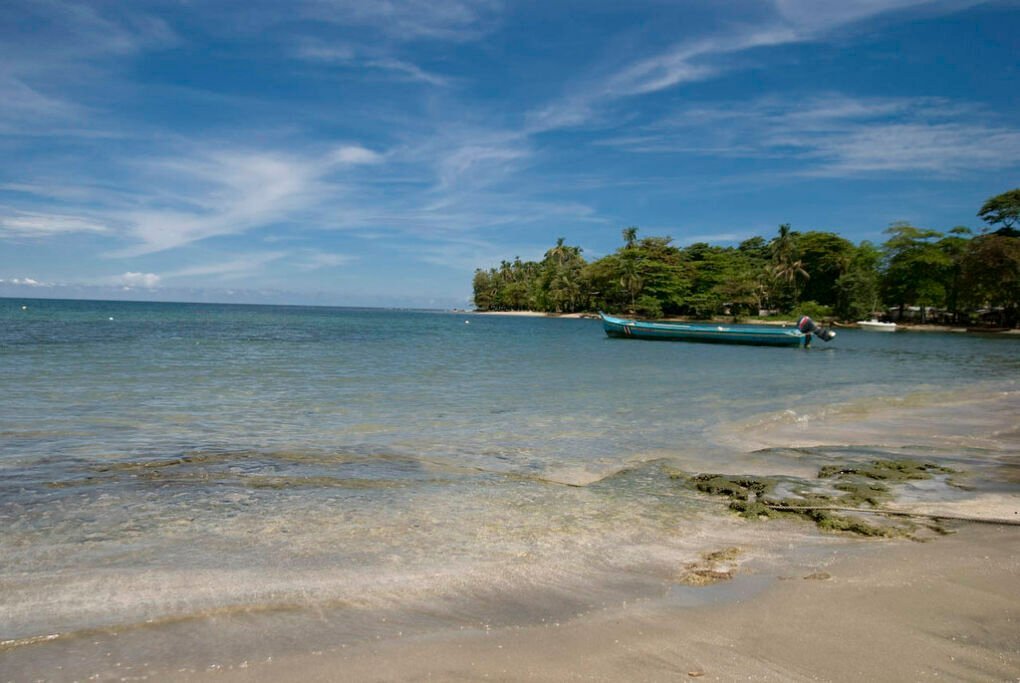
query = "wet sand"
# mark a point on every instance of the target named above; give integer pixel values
(946, 609)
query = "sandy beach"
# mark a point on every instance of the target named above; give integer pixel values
(532, 314)
(946, 609)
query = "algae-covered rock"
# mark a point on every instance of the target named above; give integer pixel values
(743, 488)
(713, 567)
(827, 521)
(851, 487)
(724, 555)
(818, 576)
(886, 470)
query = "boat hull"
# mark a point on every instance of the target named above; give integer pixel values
(875, 326)
(711, 334)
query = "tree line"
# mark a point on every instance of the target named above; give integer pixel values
(964, 276)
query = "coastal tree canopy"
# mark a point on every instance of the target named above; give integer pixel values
(1002, 209)
(965, 277)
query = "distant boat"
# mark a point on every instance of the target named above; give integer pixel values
(876, 326)
(756, 335)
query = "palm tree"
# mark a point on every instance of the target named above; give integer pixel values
(560, 253)
(791, 272)
(631, 280)
(630, 236)
(784, 245)
(786, 268)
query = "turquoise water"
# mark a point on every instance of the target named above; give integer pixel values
(175, 462)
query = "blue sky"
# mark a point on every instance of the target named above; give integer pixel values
(377, 152)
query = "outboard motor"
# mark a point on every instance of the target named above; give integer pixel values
(808, 327)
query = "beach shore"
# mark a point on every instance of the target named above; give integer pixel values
(533, 314)
(947, 609)
(904, 327)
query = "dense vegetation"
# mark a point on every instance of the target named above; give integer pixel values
(965, 277)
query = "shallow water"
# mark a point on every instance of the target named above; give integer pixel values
(179, 473)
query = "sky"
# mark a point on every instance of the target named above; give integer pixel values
(377, 152)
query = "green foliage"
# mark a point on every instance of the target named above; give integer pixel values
(857, 289)
(560, 283)
(1003, 208)
(990, 275)
(815, 273)
(786, 274)
(826, 257)
(915, 267)
(812, 309)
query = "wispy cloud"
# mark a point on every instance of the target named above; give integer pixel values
(837, 136)
(686, 62)
(238, 267)
(817, 16)
(14, 222)
(314, 259)
(24, 282)
(65, 29)
(708, 57)
(481, 162)
(24, 108)
(351, 155)
(408, 71)
(143, 280)
(231, 192)
(368, 58)
(689, 62)
(465, 253)
(45, 70)
(456, 20)
(330, 53)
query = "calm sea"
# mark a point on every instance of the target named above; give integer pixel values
(180, 473)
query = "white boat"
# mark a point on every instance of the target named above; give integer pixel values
(876, 326)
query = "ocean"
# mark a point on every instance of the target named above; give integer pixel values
(196, 485)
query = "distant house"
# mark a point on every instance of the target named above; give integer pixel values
(915, 314)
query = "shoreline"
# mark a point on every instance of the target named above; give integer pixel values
(900, 327)
(534, 314)
(867, 615)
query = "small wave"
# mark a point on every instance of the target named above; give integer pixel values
(973, 417)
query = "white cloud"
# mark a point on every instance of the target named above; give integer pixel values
(368, 58)
(404, 20)
(685, 62)
(681, 63)
(834, 135)
(313, 260)
(354, 155)
(240, 266)
(935, 148)
(67, 48)
(19, 223)
(690, 61)
(336, 53)
(145, 280)
(822, 15)
(24, 108)
(409, 71)
(474, 162)
(227, 192)
(24, 282)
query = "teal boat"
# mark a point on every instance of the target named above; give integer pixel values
(756, 335)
